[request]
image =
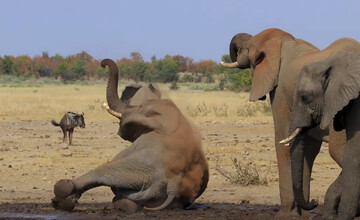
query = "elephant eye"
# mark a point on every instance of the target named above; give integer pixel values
(151, 113)
(305, 98)
(260, 58)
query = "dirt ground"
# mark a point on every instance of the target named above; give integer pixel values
(33, 158)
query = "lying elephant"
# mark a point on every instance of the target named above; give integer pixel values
(164, 166)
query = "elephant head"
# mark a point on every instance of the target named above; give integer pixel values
(324, 91)
(161, 116)
(139, 116)
(262, 53)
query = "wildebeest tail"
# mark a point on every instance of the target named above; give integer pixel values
(54, 123)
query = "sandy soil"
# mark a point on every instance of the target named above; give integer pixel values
(33, 158)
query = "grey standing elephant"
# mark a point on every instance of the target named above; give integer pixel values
(164, 166)
(276, 59)
(329, 91)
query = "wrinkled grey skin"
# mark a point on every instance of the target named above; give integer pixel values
(68, 122)
(163, 168)
(276, 59)
(327, 91)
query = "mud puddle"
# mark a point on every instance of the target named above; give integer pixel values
(97, 211)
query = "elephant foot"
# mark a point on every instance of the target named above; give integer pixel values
(125, 205)
(67, 203)
(64, 198)
(64, 188)
(287, 214)
(312, 214)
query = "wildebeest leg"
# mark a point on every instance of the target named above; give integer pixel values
(64, 135)
(70, 135)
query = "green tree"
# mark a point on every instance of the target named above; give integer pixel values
(226, 58)
(83, 55)
(165, 70)
(102, 72)
(136, 56)
(45, 54)
(7, 65)
(240, 81)
(78, 70)
(138, 70)
(62, 70)
(22, 66)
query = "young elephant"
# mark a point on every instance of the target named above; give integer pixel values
(327, 91)
(68, 122)
(163, 167)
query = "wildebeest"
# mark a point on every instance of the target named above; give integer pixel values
(68, 122)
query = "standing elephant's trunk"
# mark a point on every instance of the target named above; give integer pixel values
(238, 50)
(297, 172)
(112, 96)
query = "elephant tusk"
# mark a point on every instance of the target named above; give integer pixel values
(291, 137)
(229, 65)
(112, 112)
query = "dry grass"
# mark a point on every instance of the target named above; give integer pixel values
(52, 101)
(243, 174)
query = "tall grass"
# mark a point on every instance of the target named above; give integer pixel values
(52, 101)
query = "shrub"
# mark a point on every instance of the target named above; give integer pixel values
(244, 175)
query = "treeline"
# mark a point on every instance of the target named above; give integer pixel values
(83, 66)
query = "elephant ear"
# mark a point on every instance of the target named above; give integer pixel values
(129, 92)
(160, 116)
(264, 54)
(144, 94)
(342, 84)
(155, 89)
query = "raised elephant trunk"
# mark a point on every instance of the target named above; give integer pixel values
(112, 96)
(297, 172)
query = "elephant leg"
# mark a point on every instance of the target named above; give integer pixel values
(337, 142)
(124, 174)
(332, 199)
(125, 205)
(350, 181)
(350, 177)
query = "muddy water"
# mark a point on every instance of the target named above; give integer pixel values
(97, 211)
(34, 216)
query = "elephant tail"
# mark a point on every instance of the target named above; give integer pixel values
(54, 123)
(171, 193)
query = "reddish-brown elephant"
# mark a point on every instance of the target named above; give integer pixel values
(276, 59)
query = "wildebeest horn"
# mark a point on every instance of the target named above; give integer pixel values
(291, 137)
(229, 65)
(112, 112)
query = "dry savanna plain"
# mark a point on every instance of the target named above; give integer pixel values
(237, 138)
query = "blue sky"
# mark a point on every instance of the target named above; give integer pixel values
(200, 29)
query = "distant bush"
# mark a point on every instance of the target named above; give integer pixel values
(240, 81)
